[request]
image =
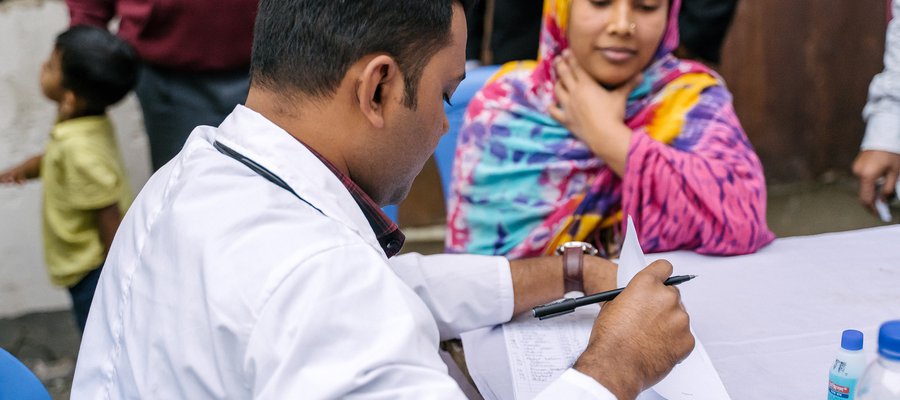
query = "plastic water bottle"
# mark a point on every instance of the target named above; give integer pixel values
(881, 380)
(847, 367)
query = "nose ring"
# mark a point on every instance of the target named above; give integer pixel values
(632, 28)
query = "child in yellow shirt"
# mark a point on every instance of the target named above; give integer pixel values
(86, 190)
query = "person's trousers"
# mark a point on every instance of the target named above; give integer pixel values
(82, 296)
(174, 103)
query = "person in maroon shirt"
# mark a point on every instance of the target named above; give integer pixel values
(196, 59)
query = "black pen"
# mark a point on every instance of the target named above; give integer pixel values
(569, 305)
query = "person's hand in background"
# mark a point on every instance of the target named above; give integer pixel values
(874, 167)
(30, 169)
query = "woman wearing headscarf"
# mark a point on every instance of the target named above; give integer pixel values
(607, 123)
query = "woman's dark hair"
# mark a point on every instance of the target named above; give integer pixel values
(97, 66)
(307, 46)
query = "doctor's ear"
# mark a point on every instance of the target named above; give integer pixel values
(379, 83)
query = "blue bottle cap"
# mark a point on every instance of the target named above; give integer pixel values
(852, 340)
(889, 340)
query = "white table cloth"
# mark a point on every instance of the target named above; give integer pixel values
(771, 321)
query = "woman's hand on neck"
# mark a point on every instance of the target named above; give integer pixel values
(579, 98)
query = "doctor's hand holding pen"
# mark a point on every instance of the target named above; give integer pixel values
(640, 336)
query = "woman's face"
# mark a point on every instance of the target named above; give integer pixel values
(614, 40)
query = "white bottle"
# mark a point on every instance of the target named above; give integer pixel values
(847, 367)
(881, 380)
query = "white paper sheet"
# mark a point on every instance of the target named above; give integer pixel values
(695, 377)
(631, 256)
(540, 351)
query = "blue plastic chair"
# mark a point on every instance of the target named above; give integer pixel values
(391, 212)
(17, 382)
(446, 148)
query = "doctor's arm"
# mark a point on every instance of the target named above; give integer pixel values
(466, 292)
(339, 325)
(539, 280)
(636, 340)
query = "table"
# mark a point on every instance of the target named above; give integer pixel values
(771, 321)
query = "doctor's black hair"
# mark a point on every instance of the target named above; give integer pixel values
(99, 67)
(307, 46)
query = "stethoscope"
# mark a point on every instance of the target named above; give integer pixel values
(261, 171)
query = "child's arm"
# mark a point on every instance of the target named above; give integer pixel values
(108, 219)
(29, 169)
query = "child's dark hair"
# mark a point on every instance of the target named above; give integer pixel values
(97, 66)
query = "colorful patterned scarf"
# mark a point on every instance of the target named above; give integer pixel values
(523, 184)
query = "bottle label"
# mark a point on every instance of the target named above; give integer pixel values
(840, 388)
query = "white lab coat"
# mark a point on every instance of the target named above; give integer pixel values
(222, 285)
(882, 111)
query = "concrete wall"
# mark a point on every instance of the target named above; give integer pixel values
(27, 30)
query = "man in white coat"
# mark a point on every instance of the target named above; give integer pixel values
(878, 163)
(257, 263)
